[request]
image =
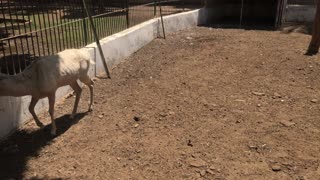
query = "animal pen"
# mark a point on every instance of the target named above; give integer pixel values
(32, 29)
(205, 103)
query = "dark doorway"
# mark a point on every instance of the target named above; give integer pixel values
(259, 12)
(244, 12)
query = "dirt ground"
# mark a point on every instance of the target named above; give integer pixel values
(206, 103)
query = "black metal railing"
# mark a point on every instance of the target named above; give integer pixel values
(30, 29)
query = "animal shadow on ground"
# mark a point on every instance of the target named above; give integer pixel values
(22, 145)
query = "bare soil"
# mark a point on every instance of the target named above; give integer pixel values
(206, 103)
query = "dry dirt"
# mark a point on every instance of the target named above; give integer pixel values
(204, 104)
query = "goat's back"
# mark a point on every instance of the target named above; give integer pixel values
(62, 69)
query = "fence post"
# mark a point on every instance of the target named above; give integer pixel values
(85, 31)
(183, 5)
(96, 38)
(241, 13)
(127, 13)
(84, 26)
(155, 8)
(161, 17)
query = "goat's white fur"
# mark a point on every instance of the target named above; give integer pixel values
(43, 77)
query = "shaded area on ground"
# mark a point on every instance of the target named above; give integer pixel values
(22, 145)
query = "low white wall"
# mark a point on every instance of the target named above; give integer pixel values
(121, 45)
(14, 111)
(300, 13)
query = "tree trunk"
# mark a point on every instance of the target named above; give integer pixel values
(315, 41)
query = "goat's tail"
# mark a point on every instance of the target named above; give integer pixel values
(88, 57)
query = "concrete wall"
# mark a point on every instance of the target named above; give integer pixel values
(14, 111)
(300, 13)
(121, 45)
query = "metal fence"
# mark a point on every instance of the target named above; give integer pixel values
(30, 29)
(302, 2)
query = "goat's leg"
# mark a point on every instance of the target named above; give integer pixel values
(78, 90)
(52, 99)
(87, 81)
(91, 95)
(31, 110)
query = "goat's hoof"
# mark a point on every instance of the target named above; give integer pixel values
(72, 116)
(90, 109)
(53, 133)
(40, 125)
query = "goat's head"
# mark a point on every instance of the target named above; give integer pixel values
(3, 84)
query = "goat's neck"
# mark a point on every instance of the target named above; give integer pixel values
(19, 85)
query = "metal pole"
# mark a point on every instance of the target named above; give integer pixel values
(241, 13)
(85, 32)
(278, 21)
(183, 5)
(161, 17)
(155, 8)
(97, 39)
(127, 13)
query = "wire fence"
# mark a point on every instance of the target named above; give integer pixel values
(30, 29)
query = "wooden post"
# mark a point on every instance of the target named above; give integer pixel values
(315, 41)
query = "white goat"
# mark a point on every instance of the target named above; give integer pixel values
(43, 77)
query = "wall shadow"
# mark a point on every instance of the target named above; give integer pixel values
(22, 145)
(304, 28)
(235, 25)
